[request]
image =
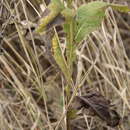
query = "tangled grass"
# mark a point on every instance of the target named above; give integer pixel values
(32, 91)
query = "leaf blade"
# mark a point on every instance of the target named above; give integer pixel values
(90, 16)
(121, 8)
(59, 57)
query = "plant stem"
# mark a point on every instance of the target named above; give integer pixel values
(70, 46)
(69, 52)
(69, 3)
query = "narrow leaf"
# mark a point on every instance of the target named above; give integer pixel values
(69, 30)
(52, 11)
(120, 8)
(58, 55)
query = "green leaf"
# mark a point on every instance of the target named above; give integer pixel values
(90, 16)
(71, 114)
(50, 13)
(69, 15)
(120, 8)
(59, 57)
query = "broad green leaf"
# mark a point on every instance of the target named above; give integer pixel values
(90, 16)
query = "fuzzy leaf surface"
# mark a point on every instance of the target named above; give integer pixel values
(89, 17)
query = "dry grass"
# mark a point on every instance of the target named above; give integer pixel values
(32, 91)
